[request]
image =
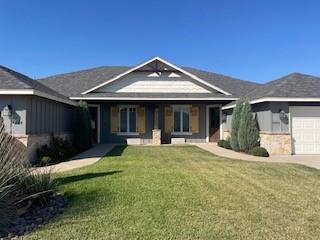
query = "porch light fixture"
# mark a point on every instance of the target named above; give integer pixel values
(7, 111)
(282, 115)
(224, 117)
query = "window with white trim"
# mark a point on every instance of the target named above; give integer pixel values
(128, 119)
(181, 119)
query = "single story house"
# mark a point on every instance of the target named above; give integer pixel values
(158, 102)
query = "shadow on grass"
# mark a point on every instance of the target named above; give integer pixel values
(116, 151)
(76, 178)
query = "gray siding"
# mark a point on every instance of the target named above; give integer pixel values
(18, 104)
(36, 115)
(105, 132)
(267, 115)
(276, 124)
(263, 116)
(107, 137)
(45, 116)
(195, 137)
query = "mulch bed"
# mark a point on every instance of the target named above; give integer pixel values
(37, 216)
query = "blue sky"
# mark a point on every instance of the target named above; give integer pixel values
(253, 40)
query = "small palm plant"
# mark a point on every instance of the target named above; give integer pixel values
(11, 153)
(18, 184)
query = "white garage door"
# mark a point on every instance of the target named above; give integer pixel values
(306, 130)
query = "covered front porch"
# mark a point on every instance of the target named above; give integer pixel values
(156, 122)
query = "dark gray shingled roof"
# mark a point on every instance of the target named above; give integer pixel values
(73, 84)
(295, 85)
(12, 80)
(232, 85)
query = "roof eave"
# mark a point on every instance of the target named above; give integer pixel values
(25, 92)
(277, 99)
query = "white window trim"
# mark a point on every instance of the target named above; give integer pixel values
(119, 133)
(127, 133)
(181, 120)
(182, 133)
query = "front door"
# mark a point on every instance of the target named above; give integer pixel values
(94, 123)
(214, 124)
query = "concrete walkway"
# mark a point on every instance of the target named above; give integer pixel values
(86, 158)
(307, 160)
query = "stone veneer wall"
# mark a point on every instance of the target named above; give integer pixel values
(34, 141)
(276, 143)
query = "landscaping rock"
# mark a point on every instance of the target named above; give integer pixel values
(37, 216)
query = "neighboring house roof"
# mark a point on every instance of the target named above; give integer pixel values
(14, 83)
(75, 83)
(293, 87)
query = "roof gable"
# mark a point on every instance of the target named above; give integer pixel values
(155, 82)
(155, 64)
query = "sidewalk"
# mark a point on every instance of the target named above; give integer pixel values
(307, 160)
(86, 158)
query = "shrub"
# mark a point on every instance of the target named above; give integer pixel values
(235, 124)
(37, 185)
(45, 161)
(58, 150)
(224, 144)
(248, 135)
(259, 151)
(82, 130)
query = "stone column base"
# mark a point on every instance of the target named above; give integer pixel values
(34, 141)
(226, 135)
(276, 143)
(156, 137)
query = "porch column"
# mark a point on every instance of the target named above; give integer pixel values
(156, 118)
(156, 132)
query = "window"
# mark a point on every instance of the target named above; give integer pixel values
(181, 119)
(128, 119)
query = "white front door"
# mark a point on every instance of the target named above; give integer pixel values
(305, 130)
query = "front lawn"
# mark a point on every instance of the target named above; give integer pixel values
(172, 192)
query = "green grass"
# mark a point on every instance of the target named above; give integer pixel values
(182, 192)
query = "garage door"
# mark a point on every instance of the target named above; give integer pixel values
(306, 130)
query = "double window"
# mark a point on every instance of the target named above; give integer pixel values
(128, 119)
(181, 119)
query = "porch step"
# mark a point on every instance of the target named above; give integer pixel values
(178, 140)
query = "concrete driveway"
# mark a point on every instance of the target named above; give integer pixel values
(307, 160)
